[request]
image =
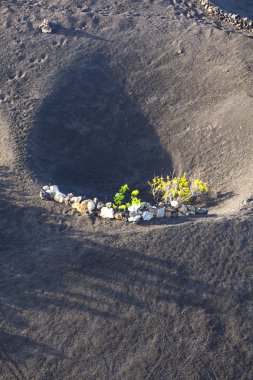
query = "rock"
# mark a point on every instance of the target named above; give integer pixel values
(46, 26)
(107, 212)
(118, 216)
(81, 206)
(191, 208)
(160, 212)
(68, 199)
(135, 219)
(76, 199)
(108, 204)
(134, 208)
(201, 211)
(152, 209)
(183, 209)
(60, 197)
(100, 205)
(46, 188)
(170, 208)
(91, 206)
(44, 195)
(133, 214)
(168, 214)
(53, 190)
(144, 206)
(146, 215)
(174, 204)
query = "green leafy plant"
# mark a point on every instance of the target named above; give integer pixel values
(124, 198)
(176, 188)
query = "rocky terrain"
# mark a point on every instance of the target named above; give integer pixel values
(114, 92)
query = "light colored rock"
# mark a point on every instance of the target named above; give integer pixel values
(46, 26)
(53, 190)
(118, 216)
(80, 206)
(146, 215)
(144, 205)
(60, 197)
(174, 204)
(107, 212)
(91, 206)
(134, 219)
(46, 188)
(76, 199)
(108, 204)
(183, 209)
(152, 209)
(160, 212)
(134, 207)
(168, 214)
(191, 208)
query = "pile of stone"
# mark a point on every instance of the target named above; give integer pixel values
(232, 18)
(135, 213)
(46, 26)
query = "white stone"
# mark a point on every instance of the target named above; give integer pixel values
(134, 208)
(107, 213)
(76, 199)
(134, 219)
(160, 212)
(146, 215)
(174, 204)
(60, 197)
(152, 209)
(91, 206)
(45, 26)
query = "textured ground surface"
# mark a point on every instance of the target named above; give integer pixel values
(122, 91)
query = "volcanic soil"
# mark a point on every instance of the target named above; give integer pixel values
(119, 92)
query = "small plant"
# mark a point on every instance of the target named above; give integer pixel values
(176, 188)
(124, 198)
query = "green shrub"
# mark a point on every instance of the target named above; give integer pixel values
(124, 198)
(176, 188)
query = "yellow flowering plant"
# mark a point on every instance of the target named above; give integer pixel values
(167, 189)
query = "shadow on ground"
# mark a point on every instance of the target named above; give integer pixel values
(79, 298)
(90, 134)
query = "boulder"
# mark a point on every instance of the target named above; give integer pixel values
(160, 212)
(134, 208)
(183, 209)
(107, 212)
(147, 215)
(46, 26)
(135, 219)
(91, 206)
(201, 211)
(174, 204)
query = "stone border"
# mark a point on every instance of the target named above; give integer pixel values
(240, 23)
(135, 213)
